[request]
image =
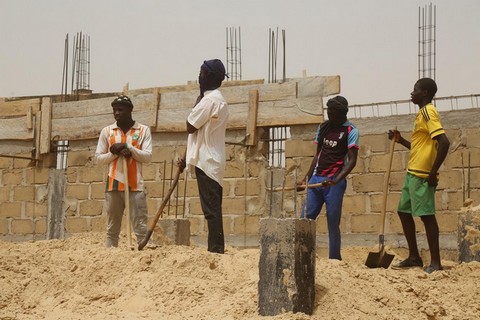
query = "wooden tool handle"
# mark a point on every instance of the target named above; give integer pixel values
(385, 187)
(162, 206)
(127, 201)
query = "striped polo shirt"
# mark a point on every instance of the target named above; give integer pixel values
(139, 142)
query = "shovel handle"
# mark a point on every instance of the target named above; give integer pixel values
(385, 186)
(127, 202)
(166, 199)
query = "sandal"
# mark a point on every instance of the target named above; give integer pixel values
(408, 263)
(431, 269)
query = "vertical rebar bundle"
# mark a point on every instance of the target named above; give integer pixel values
(427, 18)
(80, 76)
(273, 55)
(234, 53)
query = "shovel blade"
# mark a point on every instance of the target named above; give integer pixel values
(379, 259)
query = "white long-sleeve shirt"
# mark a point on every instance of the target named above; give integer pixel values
(206, 146)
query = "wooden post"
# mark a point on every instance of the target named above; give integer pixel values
(252, 118)
(46, 125)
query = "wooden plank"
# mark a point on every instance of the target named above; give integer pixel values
(15, 129)
(318, 86)
(38, 129)
(90, 127)
(270, 113)
(233, 95)
(46, 125)
(193, 86)
(18, 107)
(251, 130)
(100, 106)
(29, 123)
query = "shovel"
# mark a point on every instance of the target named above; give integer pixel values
(166, 199)
(381, 258)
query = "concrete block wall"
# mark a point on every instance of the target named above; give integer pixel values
(23, 207)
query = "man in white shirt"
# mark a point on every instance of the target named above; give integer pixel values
(206, 126)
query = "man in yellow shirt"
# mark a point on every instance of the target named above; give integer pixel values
(428, 150)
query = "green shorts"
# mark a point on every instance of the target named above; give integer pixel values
(418, 198)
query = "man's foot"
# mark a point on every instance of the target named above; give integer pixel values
(431, 269)
(408, 263)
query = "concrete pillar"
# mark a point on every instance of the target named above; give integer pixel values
(56, 213)
(287, 266)
(172, 231)
(469, 235)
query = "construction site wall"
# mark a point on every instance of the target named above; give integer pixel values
(24, 195)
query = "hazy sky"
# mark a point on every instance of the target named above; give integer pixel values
(371, 44)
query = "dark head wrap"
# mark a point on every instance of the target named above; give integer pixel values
(216, 67)
(122, 100)
(338, 103)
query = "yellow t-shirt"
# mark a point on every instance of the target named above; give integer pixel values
(423, 149)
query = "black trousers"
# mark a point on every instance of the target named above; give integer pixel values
(211, 201)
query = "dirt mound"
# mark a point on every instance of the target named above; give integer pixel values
(78, 278)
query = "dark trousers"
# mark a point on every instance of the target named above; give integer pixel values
(211, 200)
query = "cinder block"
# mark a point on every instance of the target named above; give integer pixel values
(449, 180)
(365, 223)
(80, 158)
(376, 202)
(98, 223)
(447, 221)
(172, 231)
(234, 169)
(76, 224)
(380, 162)
(150, 171)
(22, 226)
(90, 174)
(97, 190)
(40, 226)
(36, 175)
(90, 207)
(10, 209)
(35, 210)
(4, 223)
(353, 203)
(244, 224)
(247, 187)
(12, 177)
(286, 266)
(300, 148)
(374, 143)
(77, 191)
(5, 194)
(473, 137)
(368, 183)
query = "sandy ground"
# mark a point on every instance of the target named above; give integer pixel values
(78, 278)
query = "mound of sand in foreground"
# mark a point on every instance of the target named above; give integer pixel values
(78, 278)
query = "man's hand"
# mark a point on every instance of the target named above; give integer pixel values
(125, 153)
(432, 179)
(182, 164)
(116, 148)
(395, 134)
(300, 185)
(329, 182)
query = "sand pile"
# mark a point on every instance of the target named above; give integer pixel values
(78, 278)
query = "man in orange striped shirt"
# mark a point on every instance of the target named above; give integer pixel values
(133, 141)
